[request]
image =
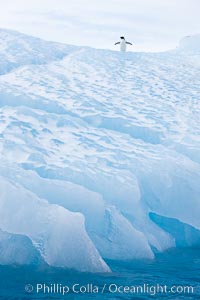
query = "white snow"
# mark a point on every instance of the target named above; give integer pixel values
(106, 137)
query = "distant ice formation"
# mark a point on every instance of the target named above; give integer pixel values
(191, 44)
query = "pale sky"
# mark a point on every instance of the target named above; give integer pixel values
(152, 25)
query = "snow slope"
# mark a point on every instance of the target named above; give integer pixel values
(102, 146)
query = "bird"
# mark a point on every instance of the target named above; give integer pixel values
(123, 44)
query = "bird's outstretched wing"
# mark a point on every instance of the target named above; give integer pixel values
(129, 43)
(117, 43)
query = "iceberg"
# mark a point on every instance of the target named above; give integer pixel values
(99, 151)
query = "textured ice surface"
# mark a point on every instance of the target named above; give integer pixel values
(111, 136)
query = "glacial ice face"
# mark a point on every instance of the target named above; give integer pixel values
(103, 224)
(113, 137)
(18, 249)
(59, 235)
(120, 239)
(185, 235)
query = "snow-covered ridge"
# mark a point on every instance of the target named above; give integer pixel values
(17, 49)
(100, 151)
